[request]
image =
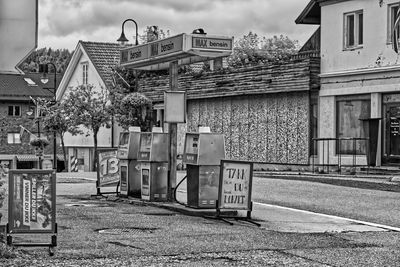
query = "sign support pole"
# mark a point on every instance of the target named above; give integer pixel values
(173, 130)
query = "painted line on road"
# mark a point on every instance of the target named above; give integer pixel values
(391, 228)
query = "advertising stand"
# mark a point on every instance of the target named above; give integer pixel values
(32, 206)
(129, 166)
(235, 185)
(108, 171)
(153, 155)
(202, 155)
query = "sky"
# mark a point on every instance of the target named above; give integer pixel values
(62, 23)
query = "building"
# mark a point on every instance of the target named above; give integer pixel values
(360, 74)
(265, 111)
(17, 111)
(91, 63)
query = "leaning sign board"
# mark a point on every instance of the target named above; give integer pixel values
(32, 201)
(109, 171)
(235, 184)
(184, 48)
(32, 206)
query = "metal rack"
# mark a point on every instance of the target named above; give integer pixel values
(326, 162)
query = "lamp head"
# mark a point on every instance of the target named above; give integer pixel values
(199, 31)
(122, 39)
(44, 79)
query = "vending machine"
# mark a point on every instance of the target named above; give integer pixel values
(129, 166)
(202, 155)
(154, 155)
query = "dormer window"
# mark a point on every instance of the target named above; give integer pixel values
(353, 29)
(85, 67)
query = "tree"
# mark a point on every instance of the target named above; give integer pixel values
(92, 110)
(59, 117)
(251, 49)
(60, 58)
(129, 107)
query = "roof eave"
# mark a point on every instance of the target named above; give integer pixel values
(311, 14)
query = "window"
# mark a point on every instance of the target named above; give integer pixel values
(85, 67)
(348, 124)
(392, 13)
(14, 111)
(13, 138)
(353, 29)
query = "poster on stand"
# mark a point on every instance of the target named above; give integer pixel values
(235, 185)
(109, 168)
(32, 201)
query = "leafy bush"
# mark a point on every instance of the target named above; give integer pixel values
(39, 142)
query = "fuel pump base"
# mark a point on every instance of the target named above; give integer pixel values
(202, 184)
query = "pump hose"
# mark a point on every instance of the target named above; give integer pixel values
(176, 188)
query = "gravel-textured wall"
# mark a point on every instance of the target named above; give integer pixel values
(271, 128)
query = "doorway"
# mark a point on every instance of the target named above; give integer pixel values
(391, 136)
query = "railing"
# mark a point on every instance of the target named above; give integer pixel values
(339, 164)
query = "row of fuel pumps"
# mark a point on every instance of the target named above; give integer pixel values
(143, 159)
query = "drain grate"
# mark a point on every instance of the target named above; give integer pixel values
(80, 205)
(129, 231)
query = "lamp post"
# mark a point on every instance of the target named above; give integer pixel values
(122, 39)
(43, 68)
(36, 117)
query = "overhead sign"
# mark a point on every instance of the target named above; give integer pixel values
(184, 48)
(212, 43)
(235, 184)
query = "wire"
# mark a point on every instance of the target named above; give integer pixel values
(176, 188)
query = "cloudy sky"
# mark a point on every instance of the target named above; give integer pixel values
(62, 23)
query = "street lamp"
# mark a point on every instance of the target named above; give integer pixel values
(43, 68)
(122, 39)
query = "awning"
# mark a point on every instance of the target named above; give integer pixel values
(28, 157)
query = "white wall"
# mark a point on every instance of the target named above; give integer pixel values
(375, 45)
(104, 135)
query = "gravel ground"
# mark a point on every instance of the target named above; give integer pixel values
(97, 232)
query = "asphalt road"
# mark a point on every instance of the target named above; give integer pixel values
(376, 206)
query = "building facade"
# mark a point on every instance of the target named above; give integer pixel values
(360, 75)
(19, 124)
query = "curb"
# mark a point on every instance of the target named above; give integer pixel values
(172, 206)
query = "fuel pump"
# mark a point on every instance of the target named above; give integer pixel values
(154, 155)
(202, 155)
(129, 166)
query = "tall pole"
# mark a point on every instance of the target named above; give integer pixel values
(173, 130)
(54, 132)
(43, 68)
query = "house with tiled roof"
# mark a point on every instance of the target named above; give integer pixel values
(91, 63)
(17, 109)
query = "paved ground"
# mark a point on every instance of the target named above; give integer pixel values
(126, 232)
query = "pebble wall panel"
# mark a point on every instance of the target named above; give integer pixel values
(291, 129)
(271, 110)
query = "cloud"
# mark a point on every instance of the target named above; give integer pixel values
(100, 20)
